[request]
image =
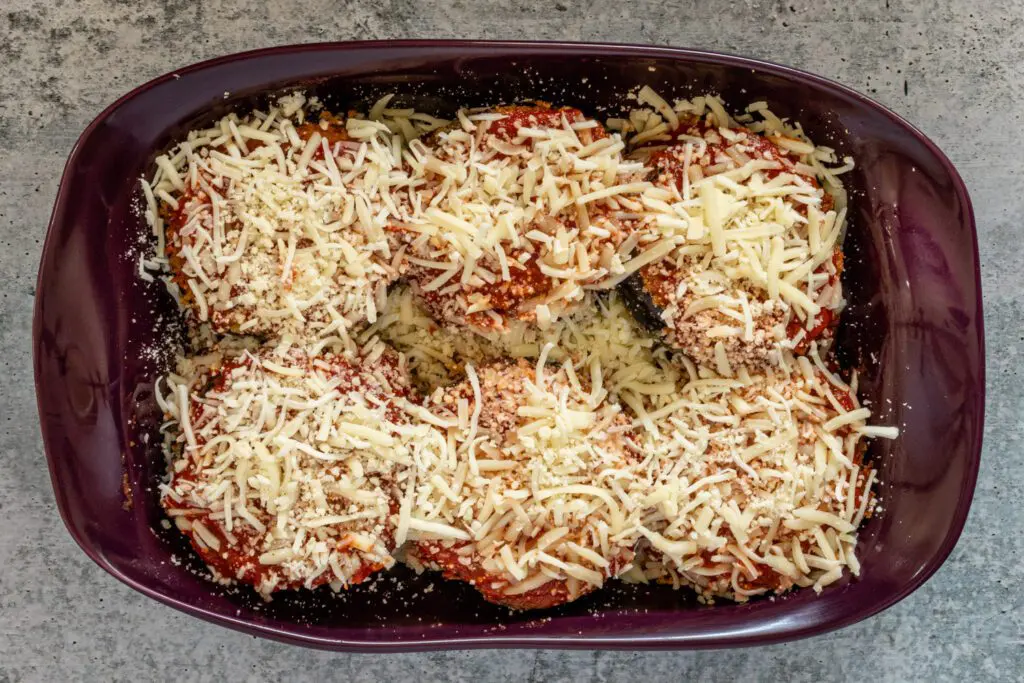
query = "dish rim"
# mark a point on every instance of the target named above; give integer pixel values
(478, 641)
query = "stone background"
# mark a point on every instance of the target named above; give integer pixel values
(951, 67)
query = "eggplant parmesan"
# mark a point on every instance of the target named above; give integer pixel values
(524, 349)
(286, 467)
(755, 268)
(275, 223)
(776, 484)
(517, 211)
(529, 508)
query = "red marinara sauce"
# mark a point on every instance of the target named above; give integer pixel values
(507, 297)
(670, 161)
(491, 587)
(331, 128)
(542, 115)
(826, 319)
(239, 561)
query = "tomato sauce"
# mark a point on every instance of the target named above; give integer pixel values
(826, 319)
(491, 587)
(506, 296)
(174, 222)
(542, 115)
(766, 579)
(331, 128)
(240, 561)
(845, 399)
(669, 161)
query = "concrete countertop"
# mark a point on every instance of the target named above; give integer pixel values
(951, 67)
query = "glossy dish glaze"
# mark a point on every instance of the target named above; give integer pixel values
(913, 326)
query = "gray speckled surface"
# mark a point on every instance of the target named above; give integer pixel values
(953, 68)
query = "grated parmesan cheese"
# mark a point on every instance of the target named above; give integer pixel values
(559, 444)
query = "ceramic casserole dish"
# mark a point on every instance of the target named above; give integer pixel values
(913, 327)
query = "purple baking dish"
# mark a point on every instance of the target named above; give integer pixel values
(914, 326)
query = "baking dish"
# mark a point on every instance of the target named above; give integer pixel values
(913, 326)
